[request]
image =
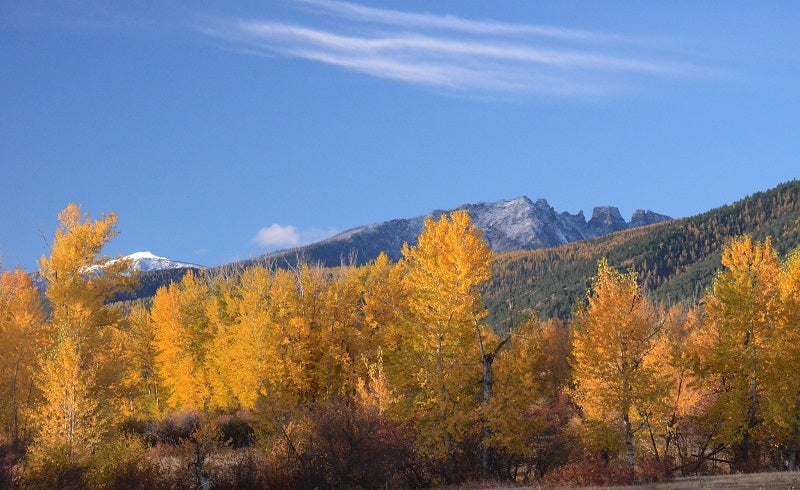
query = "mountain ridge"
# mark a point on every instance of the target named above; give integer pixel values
(508, 225)
(675, 260)
(146, 261)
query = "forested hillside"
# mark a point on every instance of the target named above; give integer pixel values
(388, 375)
(675, 260)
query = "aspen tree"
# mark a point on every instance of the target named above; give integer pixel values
(80, 376)
(241, 348)
(616, 375)
(520, 388)
(742, 312)
(182, 338)
(21, 322)
(71, 420)
(142, 381)
(783, 404)
(343, 334)
(443, 272)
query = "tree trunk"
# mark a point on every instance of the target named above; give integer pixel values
(795, 434)
(488, 380)
(745, 455)
(450, 463)
(14, 408)
(628, 439)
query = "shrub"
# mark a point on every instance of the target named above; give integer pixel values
(122, 463)
(51, 467)
(240, 468)
(654, 471)
(339, 444)
(9, 459)
(175, 427)
(589, 473)
(236, 431)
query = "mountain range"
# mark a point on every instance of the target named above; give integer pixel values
(675, 259)
(508, 225)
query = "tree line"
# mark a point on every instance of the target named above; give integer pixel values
(675, 260)
(388, 374)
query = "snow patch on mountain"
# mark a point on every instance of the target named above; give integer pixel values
(147, 261)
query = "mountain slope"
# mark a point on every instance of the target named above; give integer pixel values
(675, 260)
(146, 262)
(518, 224)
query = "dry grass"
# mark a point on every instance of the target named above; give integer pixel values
(765, 481)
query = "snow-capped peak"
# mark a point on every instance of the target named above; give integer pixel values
(142, 256)
(147, 261)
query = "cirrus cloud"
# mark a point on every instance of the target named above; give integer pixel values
(461, 55)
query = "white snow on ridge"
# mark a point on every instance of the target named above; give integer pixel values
(147, 261)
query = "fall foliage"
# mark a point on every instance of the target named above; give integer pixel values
(388, 374)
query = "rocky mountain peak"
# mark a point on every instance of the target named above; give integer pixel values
(606, 219)
(643, 218)
(515, 224)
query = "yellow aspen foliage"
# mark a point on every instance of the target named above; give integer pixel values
(375, 391)
(387, 318)
(80, 375)
(616, 374)
(305, 326)
(77, 292)
(80, 285)
(71, 420)
(782, 411)
(518, 375)
(684, 399)
(182, 338)
(21, 322)
(384, 299)
(241, 348)
(258, 354)
(548, 349)
(287, 375)
(442, 275)
(141, 380)
(340, 341)
(531, 375)
(742, 312)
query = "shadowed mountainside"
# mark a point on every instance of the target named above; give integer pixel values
(676, 260)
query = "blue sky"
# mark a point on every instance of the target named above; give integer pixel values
(220, 131)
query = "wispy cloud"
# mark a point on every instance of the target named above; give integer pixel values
(358, 12)
(475, 57)
(276, 236)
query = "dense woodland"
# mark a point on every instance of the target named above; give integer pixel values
(675, 260)
(389, 374)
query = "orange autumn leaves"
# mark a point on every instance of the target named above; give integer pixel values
(408, 341)
(726, 366)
